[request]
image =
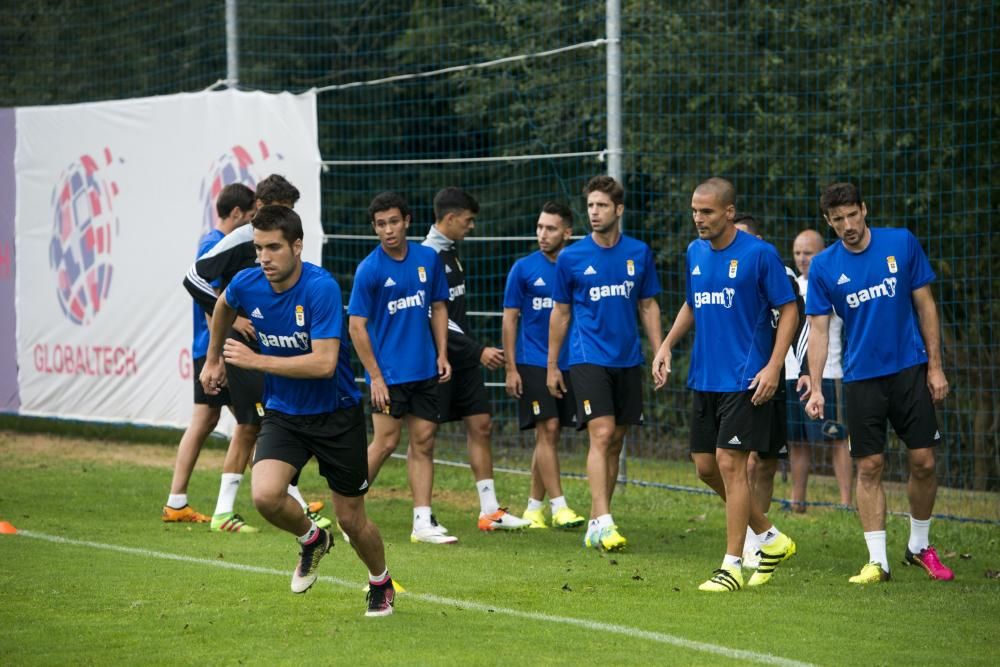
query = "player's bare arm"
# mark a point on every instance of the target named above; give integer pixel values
(767, 380)
(512, 379)
(558, 326)
(819, 338)
(244, 327)
(649, 315)
(318, 364)
(213, 374)
(357, 327)
(930, 329)
(683, 323)
(439, 329)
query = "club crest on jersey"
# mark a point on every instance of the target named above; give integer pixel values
(891, 261)
(260, 409)
(733, 265)
(630, 267)
(535, 408)
(300, 316)
(422, 274)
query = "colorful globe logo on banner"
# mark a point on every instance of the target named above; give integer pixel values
(234, 166)
(83, 227)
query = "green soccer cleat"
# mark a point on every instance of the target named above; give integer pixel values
(321, 521)
(231, 522)
(607, 538)
(567, 518)
(871, 573)
(770, 555)
(727, 579)
(536, 517)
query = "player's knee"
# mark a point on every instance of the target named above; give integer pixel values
(351, 521)
(384, 446)
(707, 469)
(922, 465)
(267, 499)
(870, 468)
(481, 428)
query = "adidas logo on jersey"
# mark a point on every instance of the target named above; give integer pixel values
(599, 292)
(389, 282)
(885, 288)
(696, 271)
(590, 271)
(723, 298)
(735, 440)
(256, 313)
(539, 282)
(843, 279)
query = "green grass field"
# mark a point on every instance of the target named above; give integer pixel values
(94, 577)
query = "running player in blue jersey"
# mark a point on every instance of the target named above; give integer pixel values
(464, 396)
(405, 353)
(528, 297)
(312, 406)
(733, 282)
(601, 281)
(878, 281)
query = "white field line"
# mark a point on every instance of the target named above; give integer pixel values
(607, 628)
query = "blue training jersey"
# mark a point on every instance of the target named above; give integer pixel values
(603, 286)
(529, 289)
(395, 296)
(732, 292)
(872, 292)
(286, 325)
(199, 340)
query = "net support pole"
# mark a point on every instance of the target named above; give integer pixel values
(232, 45)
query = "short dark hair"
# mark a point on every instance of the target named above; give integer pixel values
(274, 216)
(749, 221)
(232, 196)
(560, 209)
(276, 188)
(384, 201)
(724, 190)
(453, 200)
(839, 194)
(608, 186)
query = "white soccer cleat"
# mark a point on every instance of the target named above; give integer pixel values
(501, 520)
(431, 535)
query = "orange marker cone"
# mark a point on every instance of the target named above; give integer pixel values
(7, 529)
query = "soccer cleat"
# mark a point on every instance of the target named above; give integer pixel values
(607, 538)
(567, 518)
(316, 506)
(381, 599)
(535, 517)
(431, 535)
(320, 520)
(726, 579)
(311, 554)
(928, 559)
(434, 522)
(185, 514)
(751, 555)
(501, 520)
(770, 555)
(871, 573)
(231, 522)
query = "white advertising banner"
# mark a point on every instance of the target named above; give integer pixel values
(112, 199)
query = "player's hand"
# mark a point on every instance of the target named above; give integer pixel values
(661, 368)
(816, 405)
(492, 358)
(937, 383)
(213, 377)
(555, 383)
(238, 354)
(766, 382)
(513, 383)
(444, 370)
(380, 395)
(245, 328)
(804, 388)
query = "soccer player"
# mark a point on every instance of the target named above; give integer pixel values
(878, 281)
(733, 280)
(404, 353)
(601, 281)
(234, 206)
(831, 428)
(313, 407)
(528, 297)
(228, 257)
(464, 396)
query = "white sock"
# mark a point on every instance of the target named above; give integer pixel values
(313, 529)
(732, 561)
(558, 503)
(768, 536)
(488, 503)
(378, 578)
(604, 521)
(919, 535)
(421, 517)
(535, 505)
(294, 492)
(876, 548)
(592, 526)
(228, 487)
(177, 500)
(750, 543)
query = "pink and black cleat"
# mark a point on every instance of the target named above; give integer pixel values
(928, 559)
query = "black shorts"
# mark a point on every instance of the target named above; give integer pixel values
(903, 400)
(200, 397)
(731, 421)
(602, 392)
(537, 404)
(778, 430)
(246, 394)
(829, 429)
(338, 440)
(419, 398)
(463, 396)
